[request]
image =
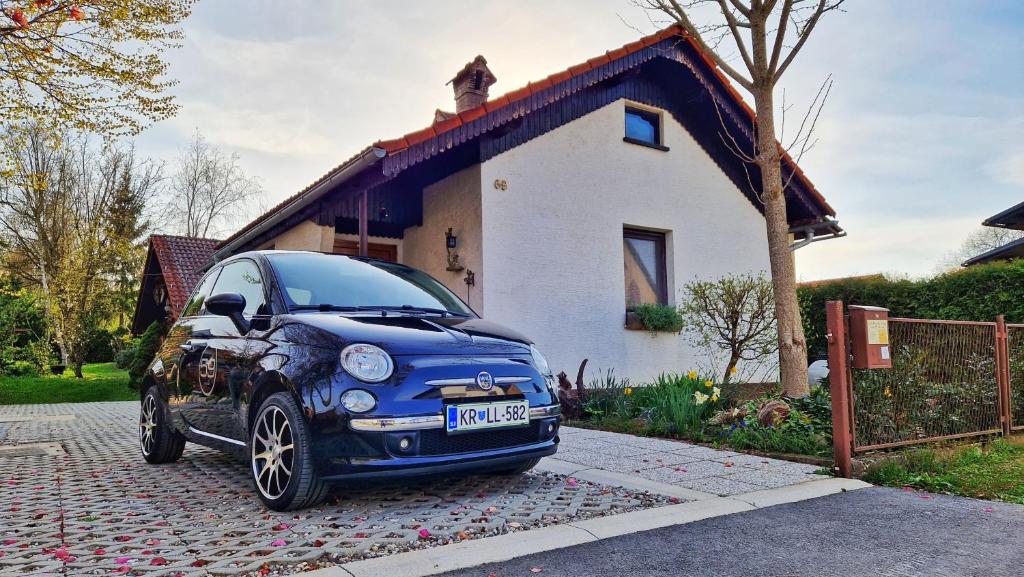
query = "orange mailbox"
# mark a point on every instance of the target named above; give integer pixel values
(869, 337)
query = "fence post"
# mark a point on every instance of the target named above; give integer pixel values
(839, 386)
(1003, 376)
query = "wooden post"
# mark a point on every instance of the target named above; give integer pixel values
(364, 223)
(1003, 376)
(839, 386)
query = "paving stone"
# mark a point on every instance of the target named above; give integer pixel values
(723, 486)
(200, 516)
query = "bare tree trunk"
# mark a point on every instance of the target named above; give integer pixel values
(792, 345)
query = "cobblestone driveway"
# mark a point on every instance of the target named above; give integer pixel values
(685, 465)
(93, 507)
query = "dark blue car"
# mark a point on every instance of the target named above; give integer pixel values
(322, 368)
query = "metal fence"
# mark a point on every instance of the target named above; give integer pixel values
(1015, 358)
(949, 380)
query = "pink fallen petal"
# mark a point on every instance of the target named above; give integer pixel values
(10, 541)
(100, 552)
(536, 569)
(281, 527)
(424, 534)
(278, 543)
(925, 496)
(122, 569)
(572, 482)
(158, 561)
(123, 560)
(989, 510)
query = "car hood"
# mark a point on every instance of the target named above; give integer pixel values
(401, 334)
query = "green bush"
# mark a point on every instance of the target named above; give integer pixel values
(149, 344)
(123, 359)
(977, 293)
(673, 404)
(659, 318)
(99, 346)
(21, 369)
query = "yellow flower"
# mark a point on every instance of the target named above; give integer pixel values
(700, 398)
(692, 375)
(627, 391)
(888, 392)
(715, 393)
(732, 370)
(708, 384)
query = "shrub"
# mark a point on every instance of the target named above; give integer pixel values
(149, 344)
(123, 359)
(806, 430)
(98, 346)
(977, 293)
(658, 317)
(21, 369)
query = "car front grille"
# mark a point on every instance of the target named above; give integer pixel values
(438, 442)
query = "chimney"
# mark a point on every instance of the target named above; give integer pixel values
(471, 84)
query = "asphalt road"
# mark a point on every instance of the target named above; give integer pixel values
(876, 532)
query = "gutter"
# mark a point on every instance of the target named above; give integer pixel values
(810, 233)
(357, 164)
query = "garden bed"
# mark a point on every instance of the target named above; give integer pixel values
(691, 408)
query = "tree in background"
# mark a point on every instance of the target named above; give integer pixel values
(63, 205)
(208, 190)
(979, 242)
(767, 36)
(93, 65)
(734, 315)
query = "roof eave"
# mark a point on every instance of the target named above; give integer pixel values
(369, 157)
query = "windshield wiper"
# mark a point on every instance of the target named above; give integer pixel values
(415, 309)
(327, 307)
(324, 307)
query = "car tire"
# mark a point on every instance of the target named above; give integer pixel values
(280, 456)
(158, 440)
(521, 468)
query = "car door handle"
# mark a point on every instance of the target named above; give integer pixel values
(193, 346)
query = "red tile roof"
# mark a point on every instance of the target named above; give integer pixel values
(182, 260)
(396, 145)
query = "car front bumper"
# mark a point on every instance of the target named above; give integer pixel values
(420, 445)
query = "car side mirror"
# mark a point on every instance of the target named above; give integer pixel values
(229, 305)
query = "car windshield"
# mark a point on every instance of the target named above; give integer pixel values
(313, 281)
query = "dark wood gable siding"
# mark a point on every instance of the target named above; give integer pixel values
(650, 76)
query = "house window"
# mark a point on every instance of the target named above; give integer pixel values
(646, 277)
(643, 127)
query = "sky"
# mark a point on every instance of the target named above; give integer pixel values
(920, 140)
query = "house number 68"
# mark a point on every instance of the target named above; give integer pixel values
(501, 184)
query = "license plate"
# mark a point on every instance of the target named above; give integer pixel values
(476, 416)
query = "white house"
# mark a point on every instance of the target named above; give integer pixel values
(604, 184)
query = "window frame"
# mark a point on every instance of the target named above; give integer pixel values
(210, 276)
(267, 297)
(660, 254)
(654, 117)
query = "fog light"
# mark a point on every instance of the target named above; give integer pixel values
(358, 401)
(405, 443)
(551, 428)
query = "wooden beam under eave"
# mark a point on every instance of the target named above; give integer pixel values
(364, 223)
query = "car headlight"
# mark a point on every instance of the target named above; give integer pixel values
(367, 363)
(358, 400)
(540, 362)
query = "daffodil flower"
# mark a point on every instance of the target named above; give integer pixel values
(692, 375)
(708, 384)
(700, 398)
(627, 391)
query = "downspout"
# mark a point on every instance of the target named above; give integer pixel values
(809, 235)
(366, 159)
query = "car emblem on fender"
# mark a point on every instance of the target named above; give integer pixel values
(485, 381)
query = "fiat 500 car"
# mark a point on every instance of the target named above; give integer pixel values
(322, 368)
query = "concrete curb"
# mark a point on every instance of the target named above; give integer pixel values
(465, 554)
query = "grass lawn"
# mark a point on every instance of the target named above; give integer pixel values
(101, 382)
(993, 472)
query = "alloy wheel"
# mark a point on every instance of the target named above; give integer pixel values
(147, 425)
(273, 453)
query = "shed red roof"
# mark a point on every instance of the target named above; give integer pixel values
(182, 260)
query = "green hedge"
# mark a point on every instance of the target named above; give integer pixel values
(977, 293)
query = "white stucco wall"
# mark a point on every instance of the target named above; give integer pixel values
(552, 242)
(307, 235)
(453, 202)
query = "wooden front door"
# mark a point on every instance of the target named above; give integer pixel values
(388, 252)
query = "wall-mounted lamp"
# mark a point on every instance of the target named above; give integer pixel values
(451, 242)
(470, 279)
